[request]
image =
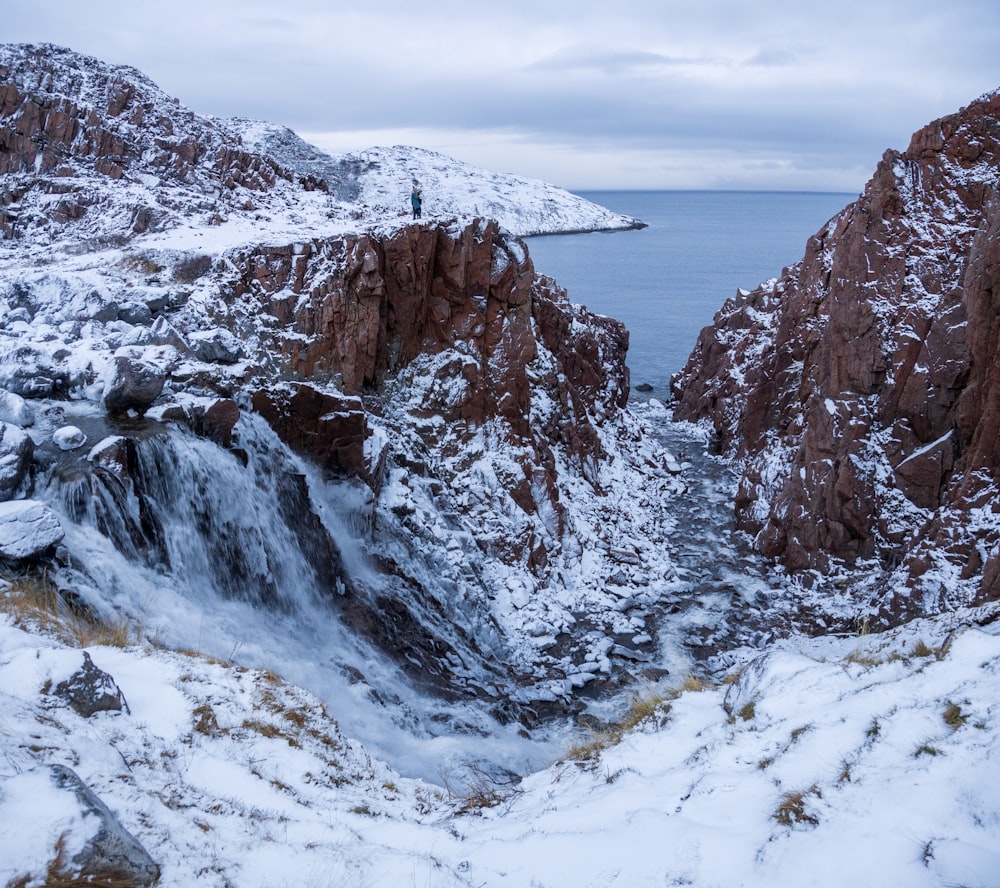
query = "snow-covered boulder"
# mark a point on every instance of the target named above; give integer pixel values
(69, 438)
(90, 690)
(29, 371)
(27, 528)
(216, 346)
(15, 410)
(69, 834)
(16, 451)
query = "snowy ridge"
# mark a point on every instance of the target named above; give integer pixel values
(379, 181)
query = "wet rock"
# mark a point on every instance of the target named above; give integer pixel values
(16, 452)
(90, 690)
(112, 454)
(330, 429)
(135, 385)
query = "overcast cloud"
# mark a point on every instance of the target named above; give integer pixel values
(631, 94)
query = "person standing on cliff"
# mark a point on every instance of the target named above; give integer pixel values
(417, 202)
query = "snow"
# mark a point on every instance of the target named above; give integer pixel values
(884, 745)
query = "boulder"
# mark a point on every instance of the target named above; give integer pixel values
(90, 690)
(29, 372)
(28, 528)
(134, 386)
(69, 438)
(110, 854)
(217, 346)
(15, 410)
(16, 452)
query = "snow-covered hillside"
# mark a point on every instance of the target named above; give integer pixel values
(869, 761)
(379, 181)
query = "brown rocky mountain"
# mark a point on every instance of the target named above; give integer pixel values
(860, 390)
(162, 284)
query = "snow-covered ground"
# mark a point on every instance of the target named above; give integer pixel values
(869, 761)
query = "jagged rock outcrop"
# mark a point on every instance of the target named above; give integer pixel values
(859, 390)
(90, 690)
(361, 308)
(59, 108)
(329, 429)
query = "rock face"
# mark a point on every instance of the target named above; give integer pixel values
(860, 390)
(361, 309)
(328, 428)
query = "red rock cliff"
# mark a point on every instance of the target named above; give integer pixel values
(359, 310)
(860, 391)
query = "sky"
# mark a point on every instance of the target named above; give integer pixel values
(648, 94)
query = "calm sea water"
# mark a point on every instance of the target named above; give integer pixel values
(666, 281)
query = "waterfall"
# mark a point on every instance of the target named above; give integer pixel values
(249, 556)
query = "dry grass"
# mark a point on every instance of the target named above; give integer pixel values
(34, 602)
(484, 790)
(644, 709)
(798, 732)
(953, 716)
(791, 809)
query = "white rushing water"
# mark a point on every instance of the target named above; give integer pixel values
(209, 559)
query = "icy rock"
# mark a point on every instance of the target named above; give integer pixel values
(15, 410)
(217, 346)
(137, 314)
(90, 690)
(29, 372)
(69, 438)
(134, 386)
(16, 451)
(111, 453)
(27, 528)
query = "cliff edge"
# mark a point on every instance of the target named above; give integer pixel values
(860, 390)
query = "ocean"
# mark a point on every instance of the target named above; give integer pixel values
(666, 281)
